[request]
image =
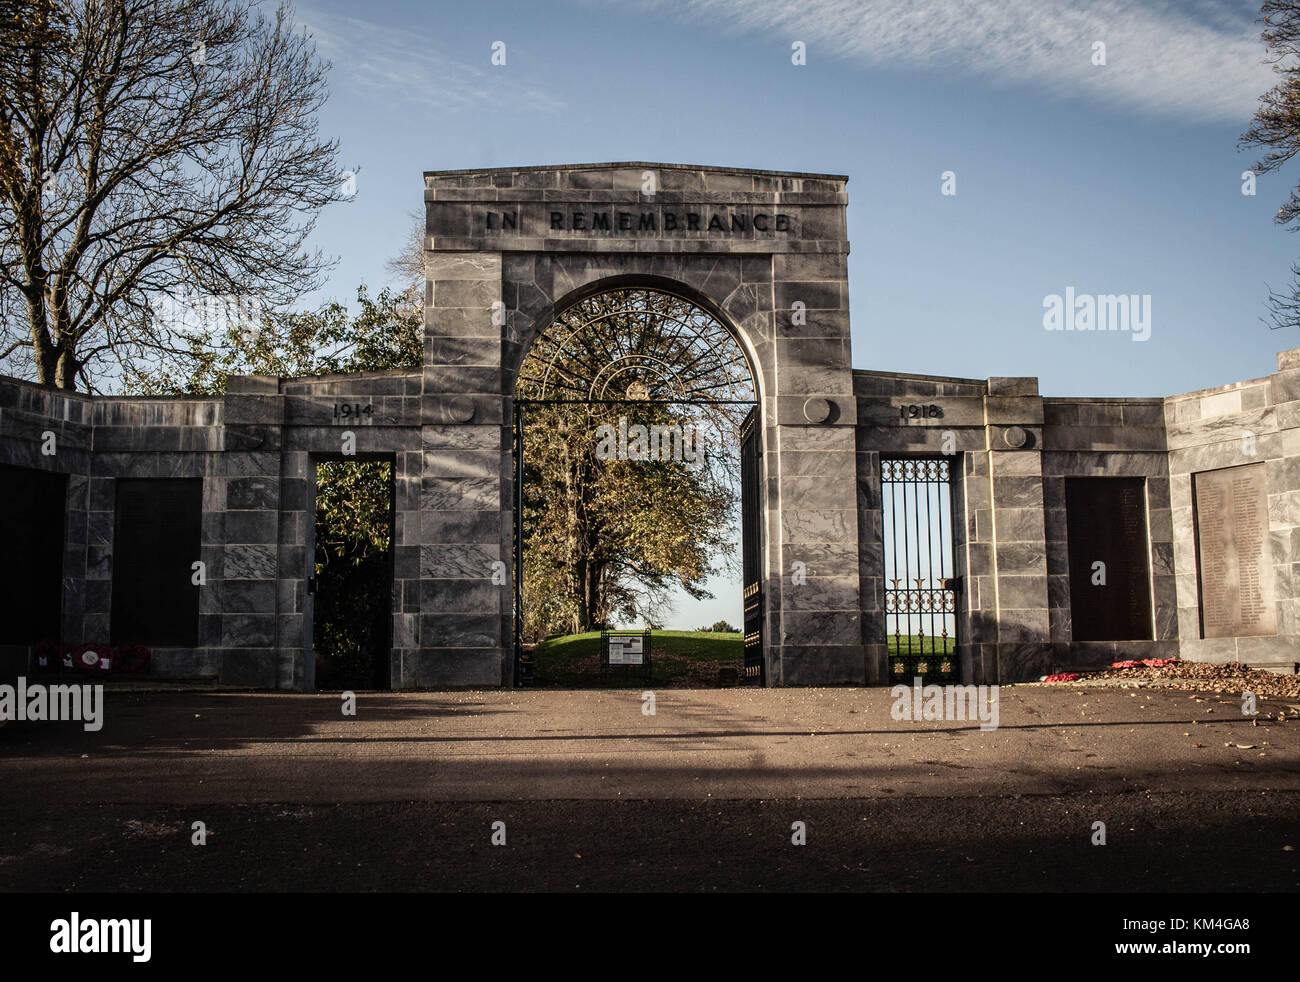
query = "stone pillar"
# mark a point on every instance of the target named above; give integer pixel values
(871, 563)
(246, 495)
(977, 629)
(405, 649)
(296, 668)
(464, 636)
(812, 478)
(90, 621)
(1019, 646)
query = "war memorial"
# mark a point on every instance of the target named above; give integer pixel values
(895, 525)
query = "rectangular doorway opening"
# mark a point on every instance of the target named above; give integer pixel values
(352, 577)
(920, 583)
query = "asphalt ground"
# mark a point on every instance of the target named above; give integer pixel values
(702, 796)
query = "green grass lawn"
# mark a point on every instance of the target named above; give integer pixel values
(929, 658)
(921, 645)
(683, 658)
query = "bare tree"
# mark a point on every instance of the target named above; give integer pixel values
(407, 267)
(151, 149)
(1276, 128)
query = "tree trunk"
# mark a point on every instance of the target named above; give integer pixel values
(577, 581)
(591, 586)
(66, 374)
(578, 549)
(44, 353)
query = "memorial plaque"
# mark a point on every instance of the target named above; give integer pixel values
(1234, 561)
(1106, 523)
(155, 541)
(31, 530)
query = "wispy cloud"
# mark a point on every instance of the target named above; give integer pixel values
(406, 66)
(1192, 59)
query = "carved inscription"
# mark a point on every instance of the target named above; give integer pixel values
(657, 221)
(1233, 555)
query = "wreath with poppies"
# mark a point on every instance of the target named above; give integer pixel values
(134, 658)
(93, 659)
(49, 656)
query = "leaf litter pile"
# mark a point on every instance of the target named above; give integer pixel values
(1190, 676)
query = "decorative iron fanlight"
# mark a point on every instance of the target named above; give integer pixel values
(635, 344)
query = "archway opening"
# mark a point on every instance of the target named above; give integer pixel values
(352, 581)
(633, 512)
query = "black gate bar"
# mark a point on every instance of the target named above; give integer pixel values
(920, 585)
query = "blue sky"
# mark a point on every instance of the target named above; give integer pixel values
(1115, 178)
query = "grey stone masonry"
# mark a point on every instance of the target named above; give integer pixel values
(1011, 451)
(765, 253)
(1108, 438)
(1211, 430)
(254, 450)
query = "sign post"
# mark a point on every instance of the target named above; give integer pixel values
(625, 649)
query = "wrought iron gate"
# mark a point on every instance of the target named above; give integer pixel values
(524, 668)
(623, 348)
(920, 584)
(751, 512)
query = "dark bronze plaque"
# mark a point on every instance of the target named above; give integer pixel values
(1106, 523)
(31, 578)
(155, 541)
(1234, 561)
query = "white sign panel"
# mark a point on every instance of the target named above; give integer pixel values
(625, 651)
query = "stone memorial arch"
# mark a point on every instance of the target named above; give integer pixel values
(764, 252)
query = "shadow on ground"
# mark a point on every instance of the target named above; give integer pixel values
(1039, 844)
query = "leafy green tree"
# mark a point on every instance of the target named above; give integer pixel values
(719, 627)
(385, 333)
(610, 539)
(353, 556)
